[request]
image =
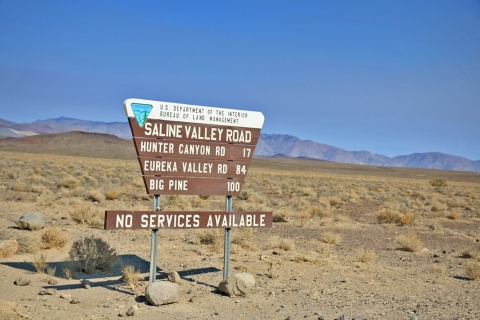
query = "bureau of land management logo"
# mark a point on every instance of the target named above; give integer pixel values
(141, 112)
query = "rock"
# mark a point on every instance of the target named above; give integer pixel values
(174, 277)
(233, 286)
(66, 296)
(53, 282)
(130, 312)
(122, 314)
(342, 317)
(134, 307)
(413, 318)
(247, 278)
(22, 281)
(75, 301)
(321, 318)
(8, 248)
(50, 292)
(162, 292)
(30, 221)
(86, 284)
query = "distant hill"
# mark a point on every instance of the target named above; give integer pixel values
(273, 144)
(269, 145)
(62, 124)
(75, 143)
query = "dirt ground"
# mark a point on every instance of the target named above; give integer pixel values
(299, 275)
(312, 280)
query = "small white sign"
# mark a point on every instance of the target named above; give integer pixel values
(144, 110)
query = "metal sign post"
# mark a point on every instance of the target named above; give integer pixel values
(226, 244)
(154, 244)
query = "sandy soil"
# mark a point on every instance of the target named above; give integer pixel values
(311, 281)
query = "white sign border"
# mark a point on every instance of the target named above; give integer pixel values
(172, 111)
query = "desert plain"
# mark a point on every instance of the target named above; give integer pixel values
(347, 242)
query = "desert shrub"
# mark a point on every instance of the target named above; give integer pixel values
(111, 194)
(244, 195)
(453, 215)
(437, 269)
(212, 237)
(409, 242)
(330, 237)
(407, 219)
(334, 201)
(472, 270)
(51, 271)
(130, 276)
(69, 182)
(438, 183)
(70, 270)
(92, 254)
(87, 214)
(95, 195)
(388, 216)
(28, 244)
(19, 186)
(365, 256)
(40, 263)
(244, 238)
(285, 244)
(53, 238)
(281, 215)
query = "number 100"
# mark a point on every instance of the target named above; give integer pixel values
(233, 186)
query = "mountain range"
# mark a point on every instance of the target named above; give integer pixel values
(269, 145)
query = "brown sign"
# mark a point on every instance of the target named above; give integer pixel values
(168, 167)
(192, 186)
(192, 150)
(186, 219)
(194, 132)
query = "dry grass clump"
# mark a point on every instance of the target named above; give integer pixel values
(69, 182)
(130, 276)
(283, 243)
(365, 256)
(453, 215)
(409, 242)
(92, 254)
(282, 215)
(87, 214)
(407, 219)
(40, 262)
(330, 237)
(244, 238)
(438, 183)
(472, 270)
(214, 238)
(28, 244)
(388, 216)
(96, 195)
(437, 269)
(53, 238)
(112, 194)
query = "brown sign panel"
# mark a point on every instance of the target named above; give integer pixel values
(192, 186)
(194, 132)
(168, 167)
(186, 219)
(192, 150)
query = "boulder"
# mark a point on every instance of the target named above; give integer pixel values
(247, 278)
(86, 284)
(8, 248)
(30, 221)
(162, 292)
(237, 285)
(22, 281)
(174, 277)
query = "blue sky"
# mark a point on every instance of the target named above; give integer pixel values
(390, 77)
